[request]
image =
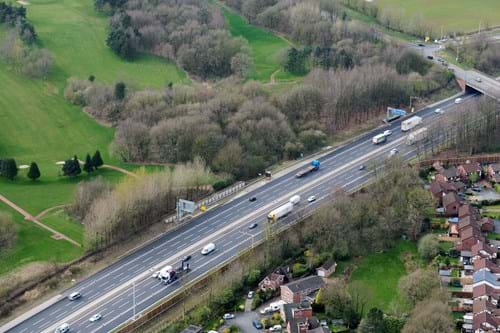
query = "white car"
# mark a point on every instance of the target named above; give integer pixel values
(250, 294)
(393, 152)
(439, 111)
(228, 316)
(387, 132)
(458, 100)
(62, 329)
(312, 198)
(74, 296)
(208, 249)
(275, 328)
(478, 79)
(266, 310)
(155, 275)
(95, 317)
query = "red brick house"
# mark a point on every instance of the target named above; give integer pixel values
(468, 221)
(297, 291)
(487, 224)
(467, 210)
(465, 170)
(451, 203)
(272, 282)
(468, 237)
(493, 172)
(483, 250)
(483, 263)
(448, 175)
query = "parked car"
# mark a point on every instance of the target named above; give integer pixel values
(387, 132)
(74, 296)
(252, 226)
(430, 57)
(439, 111)
(458, 100)
(228, 316)
(95, 317)
(252, 199)
(266, 310)
(312, 198)
(257, 324)
(275, 328)
(62, 329)
(250, 294)
(421, 44)
(323, 323)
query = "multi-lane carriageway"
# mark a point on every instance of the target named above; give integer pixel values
(111, 291)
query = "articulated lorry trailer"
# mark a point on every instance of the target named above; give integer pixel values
(280, 212)
(313, 167)
(409, 123)
(416, 136)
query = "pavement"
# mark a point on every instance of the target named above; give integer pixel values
(126, 288)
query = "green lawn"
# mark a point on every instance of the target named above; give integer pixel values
(266, 47)
(452, 15)
(34, 244)
(375, 278)
(60, 221)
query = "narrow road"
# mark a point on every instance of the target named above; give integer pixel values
(29, 217)
(113, 167)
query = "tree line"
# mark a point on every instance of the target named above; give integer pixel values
(112, 213)
(190, 33)
(479, 52)
(15, 17)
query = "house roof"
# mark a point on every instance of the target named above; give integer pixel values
(450, 198)
(328, 265)
(483, 290)
(487, 220)
(454, 229)
(436, 187)
(310, 282)
(482, 247)
(294, 322)
(275, 276)
(465, 210)
(450, 172)
(485, 276)
(469, 220)
(459, 186)
(470, 232)
(485, 320)
(471, 167)
(483, 263)
(495, 167)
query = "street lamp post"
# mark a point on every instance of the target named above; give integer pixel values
(411, 99)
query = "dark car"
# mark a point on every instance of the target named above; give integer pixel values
(430, 57)
(421, 44)
(257, 324)
(186, 258)
(253, 226)
(252, 199)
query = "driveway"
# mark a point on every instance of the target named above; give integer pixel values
(244, 321)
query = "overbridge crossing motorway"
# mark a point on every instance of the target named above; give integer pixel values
(113, 291)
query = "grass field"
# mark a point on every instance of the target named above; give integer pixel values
(375, 278)
(34, 244)
(452, 15)
(266, 47)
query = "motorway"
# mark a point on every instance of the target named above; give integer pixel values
(113, 291)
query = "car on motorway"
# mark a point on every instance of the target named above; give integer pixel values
(361, 167)
(275, 328)
(250, 294)
(421, 44)
(252, 226)
(252, 199)
(393, 152)
(74, 296)
(439, 111)
(155, 275)
(186, 258)
(458, 100)
(207, 249)
(62, 329)
(257, 324)
(387, 132)
(312, 198)
(478, 79)
(228, 316)
(95, 317)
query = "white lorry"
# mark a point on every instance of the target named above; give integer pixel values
(280, 212)
(408, 124)
(379, 138)
(416, 136)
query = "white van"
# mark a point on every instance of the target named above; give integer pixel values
(208, 249)
(74, 296)
(62, 329)
(295, 200)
